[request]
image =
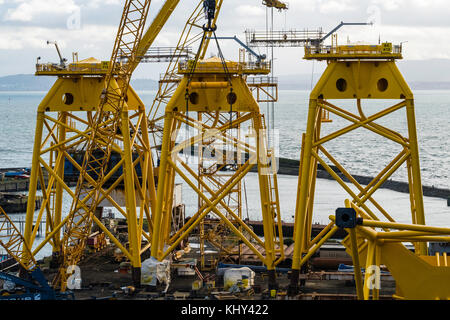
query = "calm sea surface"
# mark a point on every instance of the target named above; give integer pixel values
(361, 152)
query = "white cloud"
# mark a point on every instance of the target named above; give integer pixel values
(98, 3)
(336, 6)
(27, 10)
(35, 38)
(392, 5)
(246, 10)
(423, 23)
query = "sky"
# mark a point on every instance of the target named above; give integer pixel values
(89, 28)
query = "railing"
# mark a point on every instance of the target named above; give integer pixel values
(234, 67)
(75, 68)
(255, 38)
(253, 66)
(161, 54)
(164, 77)
(353, 50)
(20, 225)
(49, 67)
(262, 80)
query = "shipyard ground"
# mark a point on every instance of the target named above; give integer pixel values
(105, 279)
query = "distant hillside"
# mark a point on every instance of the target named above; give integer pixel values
(29, 82)
(25, 82)
(420, 85)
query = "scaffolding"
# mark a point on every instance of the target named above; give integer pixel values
(166, 54)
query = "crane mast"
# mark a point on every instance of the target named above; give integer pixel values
(98, 149)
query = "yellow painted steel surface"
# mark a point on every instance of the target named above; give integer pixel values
(213, 99)
(356, 79)
(386, 51)
(82, 95)
(214, 66)
(418, 277)
(92, 103)
(275, 4)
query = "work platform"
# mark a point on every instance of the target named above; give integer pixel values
(287, 38)
(385, 51)
(216, 66)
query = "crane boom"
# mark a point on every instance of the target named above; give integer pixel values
(154, 30)
(102, 139)
(170, 79)
(13, 242)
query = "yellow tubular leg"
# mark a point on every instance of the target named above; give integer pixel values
(302, 198)
(417, 179)
(156, 250)
(34, 178)
(133, 236)
(356, 265)
(369, 266)
(59, 188)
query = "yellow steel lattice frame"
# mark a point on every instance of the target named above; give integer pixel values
(355, 80)
(213, 173)
(208, 88)
(116, 123)
(62, 145)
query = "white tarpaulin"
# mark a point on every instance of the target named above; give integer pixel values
(153, 271)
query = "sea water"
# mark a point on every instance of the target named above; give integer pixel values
(361, 152)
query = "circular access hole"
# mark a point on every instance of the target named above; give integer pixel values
(194, 98)
(341, 85)
(345, 217)
(383, 84)
(231, 98)
(67, 98)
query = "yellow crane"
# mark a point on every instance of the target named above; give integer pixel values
(112, 122)
(215, 90)
(108, 120)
